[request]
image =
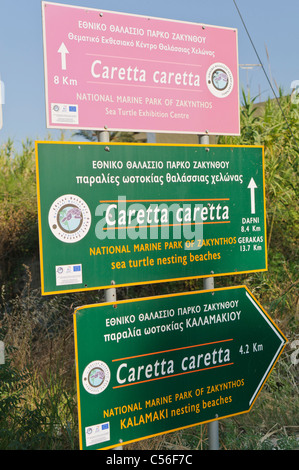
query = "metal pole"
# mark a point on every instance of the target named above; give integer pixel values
(110, 293)
(151, 137)
(208, 284)
(2, 353)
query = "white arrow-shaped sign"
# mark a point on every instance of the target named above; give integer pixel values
(63, 51)
(252, 186)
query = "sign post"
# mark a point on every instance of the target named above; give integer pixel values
(159, 364)
(208, 284)
(120, 215)
(110, 294)
(2, 353)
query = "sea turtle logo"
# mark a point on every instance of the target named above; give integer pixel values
(219, 80)
(69, 218)
(96, 377)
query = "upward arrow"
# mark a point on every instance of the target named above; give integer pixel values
(63, 51)
(252, 186)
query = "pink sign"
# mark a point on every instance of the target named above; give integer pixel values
(114, 71)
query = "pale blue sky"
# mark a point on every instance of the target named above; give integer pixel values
(271, 23)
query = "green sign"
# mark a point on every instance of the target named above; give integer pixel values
(154, 365)
(137, 213)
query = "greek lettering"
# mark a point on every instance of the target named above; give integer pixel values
(99, 179)
(189, 38)
(226, 177)
(129, 333)
(126, 30)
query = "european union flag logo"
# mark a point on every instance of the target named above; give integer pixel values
(72, 108)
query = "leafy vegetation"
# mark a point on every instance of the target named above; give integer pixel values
(38, 408)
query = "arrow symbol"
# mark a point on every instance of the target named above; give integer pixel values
(63, 51)
(252, 186)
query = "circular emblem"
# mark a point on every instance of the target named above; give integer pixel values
(219, 80)
(69, 218)
(96, 377)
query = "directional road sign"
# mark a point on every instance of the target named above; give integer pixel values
(130, 214)
(159, 364)
(115, 71)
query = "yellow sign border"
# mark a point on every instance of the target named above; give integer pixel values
(83, 289)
